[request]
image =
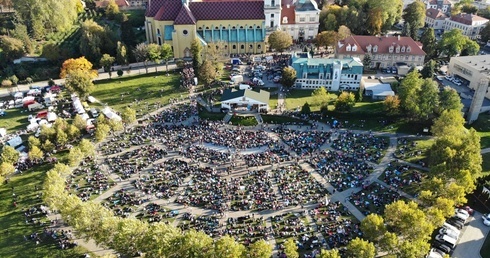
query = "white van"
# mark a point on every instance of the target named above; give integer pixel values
(35, 106)
(447, 240)
(451, 227)
(449, 232)
(237, 78)
(244, 87)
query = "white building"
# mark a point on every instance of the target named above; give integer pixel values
(245, 99)
(443, 5)
(300, 18)
(469, 24)
(435, 18)
(272, 10)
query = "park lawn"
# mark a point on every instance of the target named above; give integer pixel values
(368, 107)
(482, 125)
(14, 227)
(486, 164)
(15, 119)
(148, 89)
(297, 98)
(273, 101)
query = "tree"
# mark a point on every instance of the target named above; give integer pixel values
(111, 10)
(333, 253)
(373, 227)
(79, 122)
(453, 42)
(260, 249)
(72, 132)
(9, 155)
(61, 137)
(35, 154)
(408, 221)
(288, 76)
(120, 73)
(115, 124)
(154, 54)
(427, 100)
(79, 82)
(428, 70)
(122, 55)
(468, 8)
(48, 146)
(12, 48)
(359, 248)
(485, 33)
(391, 105)
(343, 32)
(207, 72)
(196, 50)
(75, 156)
(408, 92)
(326, 38)
(106, 62)
(141, 54)
(366, 61)
(389, 242)
(227, 247)
(166, 54)
(320, 96)
(92, 40)
(128, 115)
(345, 101)
(484, 12)
(291, 249)
(101, 132)
(375, 21)
(33, 141)
(414, 14)
(306, 109)
(81, 64)
(428, 40)
(280, 40)
(449, 100)
(87, 148)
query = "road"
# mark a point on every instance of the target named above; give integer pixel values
(472, 238)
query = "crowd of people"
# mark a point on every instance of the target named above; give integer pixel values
(373, 198)
(399, 176)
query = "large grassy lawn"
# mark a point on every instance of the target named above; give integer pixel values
(297, 98)
(482, 125)
(15, 119)
(141, 92)
(13, 223)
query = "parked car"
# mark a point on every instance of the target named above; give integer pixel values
(456, 223)
(447, 240)
(441, 247)
(451, 233)
(468, 209)
(486, 219)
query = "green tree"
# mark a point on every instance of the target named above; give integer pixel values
(61, 137)
(227, 247)
(6, 169)
(72, 132)
(428, 40)
(326, 38)
(122, 55)
(260, 249)
(128, 115)
(79, 82)
(484, 12)
(401, 217)
(391, 105)
(48, 146)
(75, 156)
(450, 100)
(111, 10)
(408, 92)
(320, 96)
(35, 154)
(101, 132)
(359, 248)
(468, 8)
(414, 14)
(87, 148)
(366, 61)
(9, 155)
(51, 51)
(345, 101)
(91, 40)
(154, 54)
(333, 253)
(106, 62)
(427, 100)
(343, 32)
(449, 121)
(207, 72)
(166, 54)
(291, 249)
(428, 70)
(196, 50)
(305, 109)
(115, 124)
(485, 33)
(373, 227)
(33, 141)
(375, 21)
(79, 122)
(389, 243)
(12, 48)
(280, 40)
(288, 77)
(141, 54)
(453, 42)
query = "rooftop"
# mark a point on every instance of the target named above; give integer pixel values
(383, 44)
(480, 62)
(467, 18)
(435, 14)
(261, 96)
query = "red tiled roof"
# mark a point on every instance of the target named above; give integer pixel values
(288, 12)
(105, 3)
(163, 10)
(435, 14)
(243, 10)
(185, 16)
(383, 44)
(467, 18)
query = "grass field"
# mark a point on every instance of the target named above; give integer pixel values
(297, 98)
(13, 223)
(148, 89)
(482, 125)
(15, 119)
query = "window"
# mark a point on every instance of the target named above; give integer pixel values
(216, 28)
(408, 49)
(185, 32)
(250, 27)
(259, 46)
(242, 46)
(354, 48)
(375, 48)
(207, 28)
(302, 19)
(241, 27)
(233, 27)
(403, 49)
(284, 19)
(390, 49)
(234, 46)
(273, 3)
(158, 32)
(312, 19)
(272, 15)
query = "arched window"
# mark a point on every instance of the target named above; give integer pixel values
(251, 46)
(241, 27)
(233, 27)
(207, 27)
(242, 46)
(259, 46)
(234, 46)
(216, 28)
(250, 27)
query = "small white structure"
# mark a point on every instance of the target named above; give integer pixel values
(107, 111)
(245, 99)
(77, 104)
(378, 90)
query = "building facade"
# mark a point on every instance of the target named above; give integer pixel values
(443, 5)
(178, 23)
(383, 51)
(272, 12)
(470, 24)
(435, 18)
(333, 74)
(300, 18)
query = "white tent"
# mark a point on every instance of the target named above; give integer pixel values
(51, 116)
(110, 114)
(378, 90)
(3, 132)
(77, 105)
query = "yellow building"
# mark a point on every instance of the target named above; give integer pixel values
(238, 25)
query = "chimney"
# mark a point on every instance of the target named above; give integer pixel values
(398, 37)
(287, 6)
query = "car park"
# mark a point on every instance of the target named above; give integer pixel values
(447, 240)
(456, 223)
(434, 254)
(441, 247)
(449, 232)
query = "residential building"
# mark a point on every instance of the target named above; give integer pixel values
(300, 18)
(384, 51)
(474, 69)
(238, 25)
(333, 74)
(435, 18)
(443, 5)
(469, 24)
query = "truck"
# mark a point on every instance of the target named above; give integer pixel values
(35, 106)
(244, 87)
(237, 79)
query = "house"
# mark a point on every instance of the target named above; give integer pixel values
(239, 25)
(470, 24)
(435, 18)
(333, 74)
(443, 5)
(300, 18)
(233, 99)
(384, 51)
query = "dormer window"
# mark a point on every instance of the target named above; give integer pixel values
(403, 49)
(391, 49)
(285, 19)
(375, 48)
(348, 48)
(398, 49)
(408, 49)
(369, 48)
(354, 48)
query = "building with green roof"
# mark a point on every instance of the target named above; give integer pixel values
(333, 74)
